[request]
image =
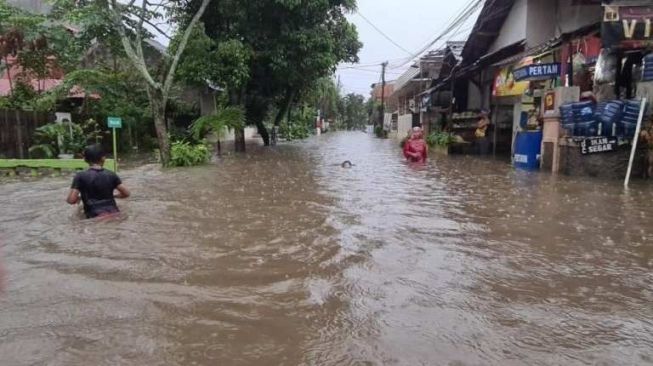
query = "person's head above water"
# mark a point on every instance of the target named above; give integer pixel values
(94, 155)
(417, 133)
(346, 164)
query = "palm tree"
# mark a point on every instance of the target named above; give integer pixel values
(219, 123)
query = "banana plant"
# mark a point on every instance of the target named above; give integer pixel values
(219, 123)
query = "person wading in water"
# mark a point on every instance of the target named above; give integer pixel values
(415, 148)
(482, 141)
(96, 186)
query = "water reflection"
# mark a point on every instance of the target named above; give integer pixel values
(282, 257)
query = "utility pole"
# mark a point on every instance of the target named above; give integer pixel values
(383, 66)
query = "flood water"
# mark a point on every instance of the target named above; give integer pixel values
(282, 257)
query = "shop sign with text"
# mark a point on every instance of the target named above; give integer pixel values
(505, 84)
(595, 145)
(627, 26)
(538, 72)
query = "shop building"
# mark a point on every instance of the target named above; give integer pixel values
(520, 54)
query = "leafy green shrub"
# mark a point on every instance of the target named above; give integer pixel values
(185, 154)
(403, 141)
(440, 139)
(295, 131)
(58, 138)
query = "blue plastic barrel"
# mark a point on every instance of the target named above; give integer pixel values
(528, 146)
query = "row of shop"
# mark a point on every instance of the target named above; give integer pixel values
(524, 60)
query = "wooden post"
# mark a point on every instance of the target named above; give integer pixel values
(19, 135)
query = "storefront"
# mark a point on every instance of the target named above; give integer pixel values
(605, 80)
(517, 98)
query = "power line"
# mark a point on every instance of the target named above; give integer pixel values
(467, 11)
(496, 13)
(354, 69)
(382, 33)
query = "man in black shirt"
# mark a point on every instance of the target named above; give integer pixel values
(96, 186)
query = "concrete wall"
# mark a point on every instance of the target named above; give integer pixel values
(514, 29)
(474, 97)
(404, 125)
(551, 18)
(577, 16)
(250, 133)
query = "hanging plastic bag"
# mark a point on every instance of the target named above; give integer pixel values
(606, 68)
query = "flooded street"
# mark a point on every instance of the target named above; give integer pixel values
(282, 257)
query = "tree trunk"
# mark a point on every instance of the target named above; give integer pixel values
(11, 84)
(157, 103)
(218, 147)
(263, 131)
(289, 117)
(239, 143)
(256, 112)
(285, 106)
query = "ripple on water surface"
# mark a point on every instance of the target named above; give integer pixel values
(282, 257)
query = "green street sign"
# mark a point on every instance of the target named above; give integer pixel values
(115, 122)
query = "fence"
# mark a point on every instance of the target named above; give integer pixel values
(16, 131)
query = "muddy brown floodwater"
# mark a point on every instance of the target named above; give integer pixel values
(282, 257)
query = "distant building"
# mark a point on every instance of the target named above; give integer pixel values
(377, 90)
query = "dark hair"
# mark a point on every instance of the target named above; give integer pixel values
(94, 154)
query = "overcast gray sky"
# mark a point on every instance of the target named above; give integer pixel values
(410, 23)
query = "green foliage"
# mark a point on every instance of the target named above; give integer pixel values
(65, 138)
(354, 114)
(222, 64)
(47, 141)
(403, 141)
(380, 132)
(218, 123)
(54, 139)
(294, 131)
(440, 139)
(186, 154)
(289, 44)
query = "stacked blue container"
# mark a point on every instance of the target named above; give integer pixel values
(585, 123)
(629, 119)
(647, 68)
(567, 118)
(609, 114)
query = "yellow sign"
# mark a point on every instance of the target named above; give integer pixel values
(505, 84)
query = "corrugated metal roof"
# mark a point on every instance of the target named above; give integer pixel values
(406, 77)
(486, 29)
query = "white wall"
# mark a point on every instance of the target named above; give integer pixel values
(249, 134)
(514, 29)
(404, 125)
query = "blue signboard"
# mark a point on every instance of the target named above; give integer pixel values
(537, 72)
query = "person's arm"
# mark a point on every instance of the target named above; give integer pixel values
(73, 197)
(406, 149)
(123, 192)
(74, 193)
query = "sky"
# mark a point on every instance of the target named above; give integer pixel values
(412, 24)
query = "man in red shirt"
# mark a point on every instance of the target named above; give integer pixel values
(415, 149)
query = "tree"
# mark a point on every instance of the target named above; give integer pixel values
(133, 24)
(355, 111)
(291, 43)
